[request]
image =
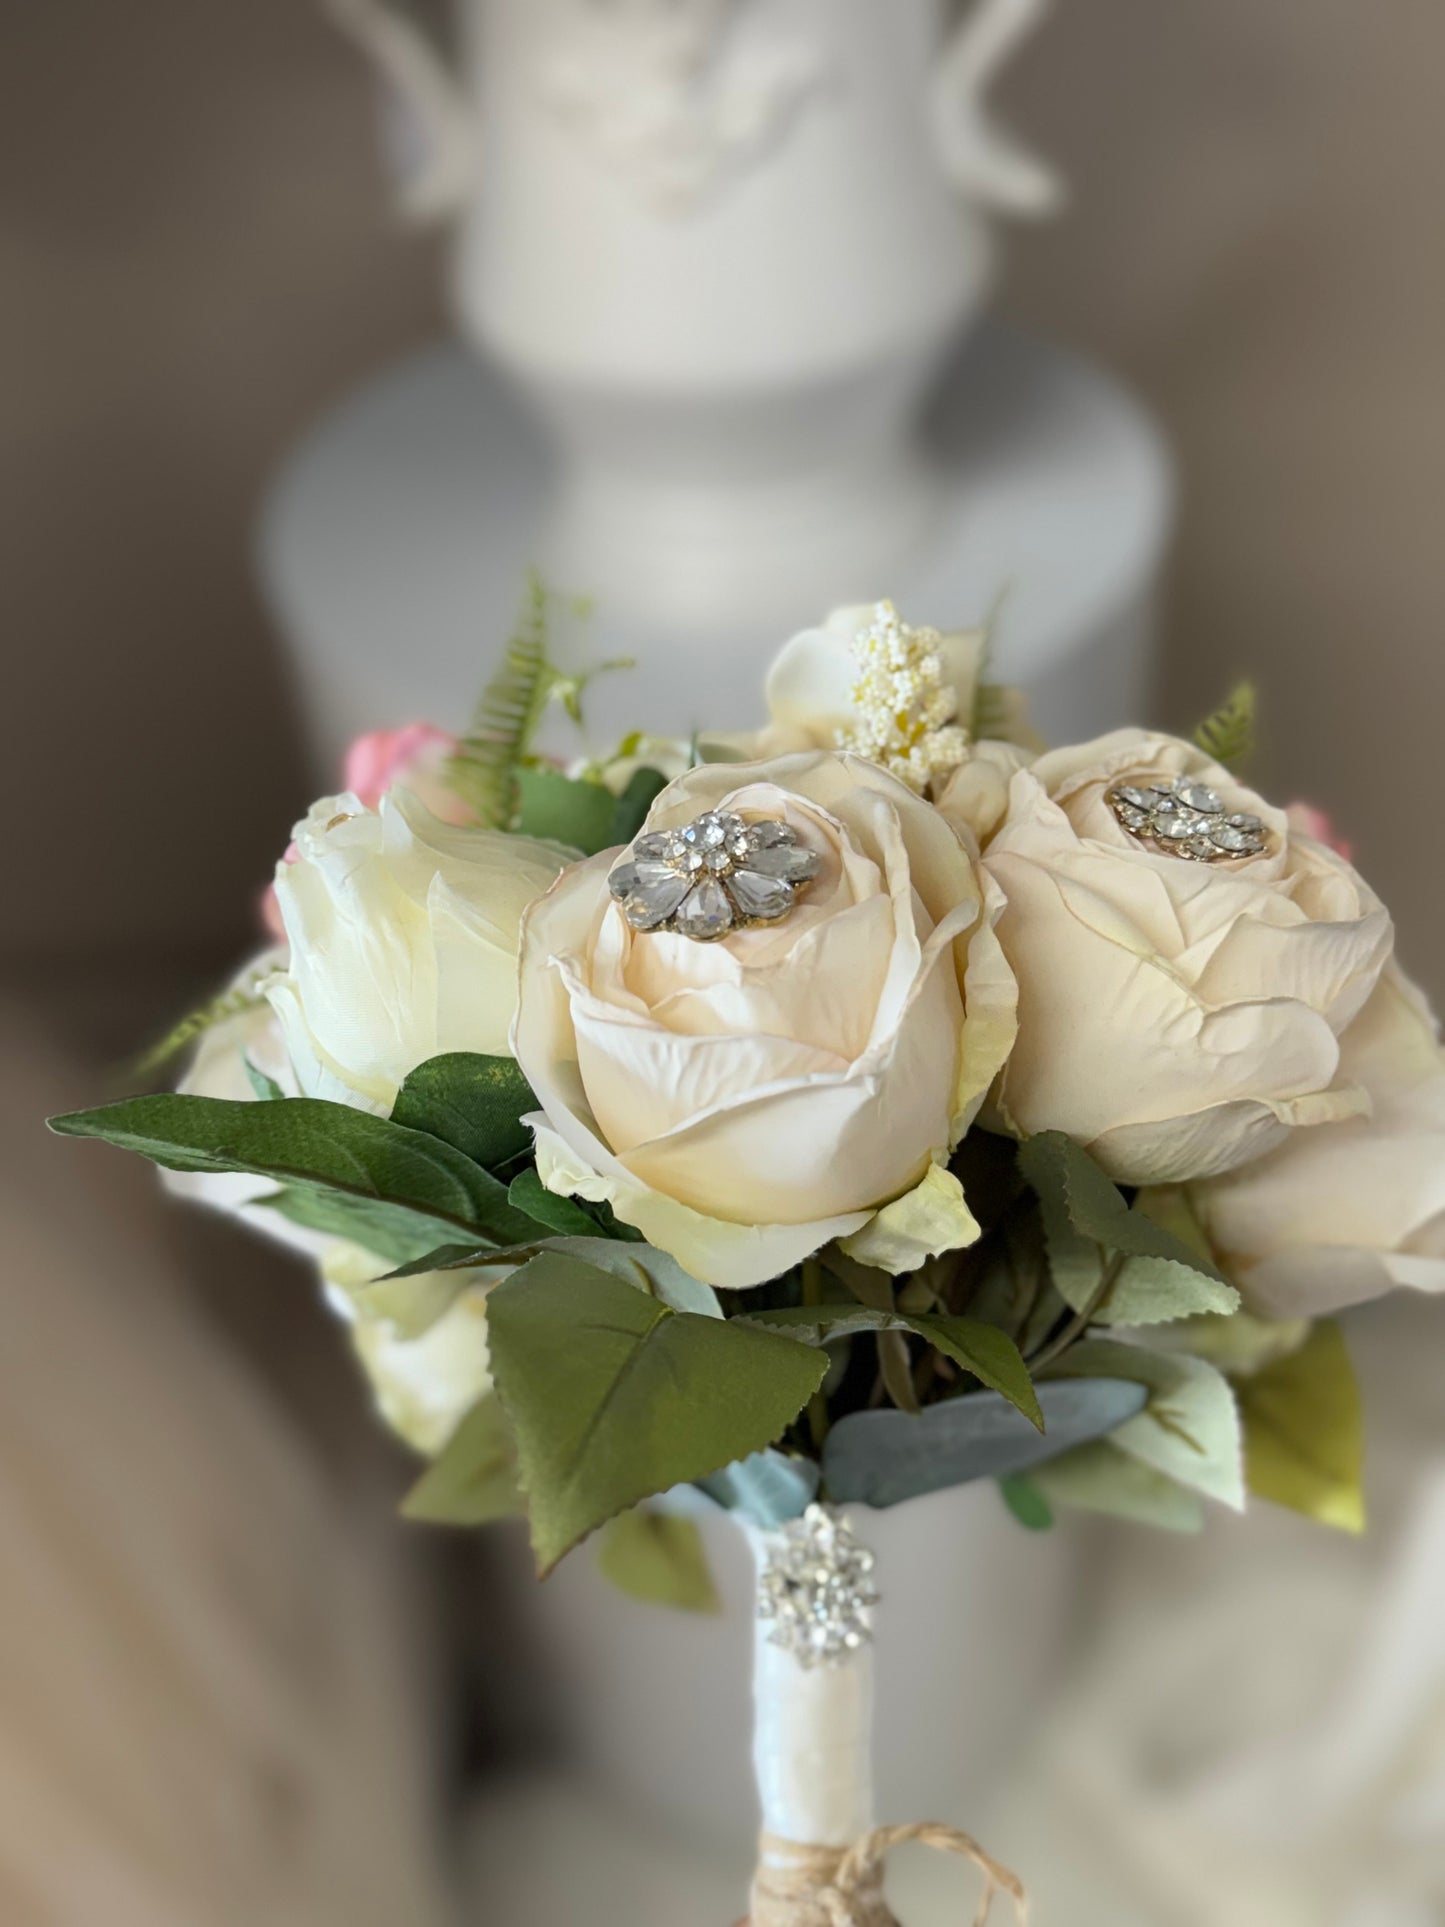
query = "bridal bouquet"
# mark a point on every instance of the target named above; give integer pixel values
(827, 1117)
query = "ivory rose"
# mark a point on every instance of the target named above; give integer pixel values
(744, 1101)
(1175, 1017)
(403, 943)
(1344, 1213)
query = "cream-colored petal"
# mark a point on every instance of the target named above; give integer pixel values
(931, 1218)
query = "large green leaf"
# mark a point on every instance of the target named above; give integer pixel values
(658, 1557)
(473, 1480)
(394, 1234)
(641, 1265)
(1303, 1436)
(1188, 1430)
(307, 1143)
(613, 1396)
(473, 1102)
(630, 813)
(989, 1354)
(565, 809)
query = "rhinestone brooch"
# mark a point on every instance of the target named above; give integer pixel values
(815, 1589)
(713, 875)
(1187, 819)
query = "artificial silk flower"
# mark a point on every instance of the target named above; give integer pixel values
(1176, 1017)
(744, 1101)
(403, 943)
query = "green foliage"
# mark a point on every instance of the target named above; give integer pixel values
(563, 1215)
(659, 1558)
(1303, 1437)
(767, 1487)
(483, 770)
(473, 1102)
(307, 1144)
(392, 1232)
(220, 1010)
(473, 1480)
(1228, 735)
(264, 1085)
(562, 809)
(1099, 1477)
(612, 1396)
(1026, 1502)
(630, 813)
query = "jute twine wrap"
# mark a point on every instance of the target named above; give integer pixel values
(802, 1886)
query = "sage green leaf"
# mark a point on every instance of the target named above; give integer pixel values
(767, 1487)
(658, 1557)
(1026, 1502)
(630, 811)
(393, 1233)
(1073, 1190)
(473, 1479)
(1189, 1429)
(1228, 735)
(983, 1350)
(306, 1142)
(564, 809)
(882, 1458)
(613, 1396)
(562, 1215)
(1303, 1435)
(1098, 1477)
(476, 1103)
(261, 1082)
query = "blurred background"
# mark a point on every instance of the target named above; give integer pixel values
(232, 1688)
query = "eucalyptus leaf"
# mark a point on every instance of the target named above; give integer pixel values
(768, 1488)
(658, 1557)
(882, 1458)
(563, 809)
(1098, 1477)
(630, 811)
(473, 1480)
(1303, 1435)
(474, 1102)
(1189, 1429)
(613, 1396)
(306, 1142)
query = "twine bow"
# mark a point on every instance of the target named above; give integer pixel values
(804, 1886)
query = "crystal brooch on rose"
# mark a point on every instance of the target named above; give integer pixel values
(713, 875)
(1187, 818)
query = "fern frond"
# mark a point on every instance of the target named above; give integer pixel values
(1228, 735)
(231, 1003)
(483, 768)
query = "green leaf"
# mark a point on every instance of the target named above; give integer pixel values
(1228, 735)
(989, 1354)
(1188, 1430)
(638, 1265)
(565, 809)
(394, 1234)
(235, 1002)
(483, 770)
(658, 1557)
(612, 1396)
(629, 813)
(264, 1085)
(563, 1215)
(1303, 1436)
(473, 1102)
(767, 1487)
(411, 1306)
(1098, 1477)
(306, 1142)
(473, 1480)
(1026, 1502)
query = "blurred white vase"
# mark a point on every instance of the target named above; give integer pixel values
(721, 246)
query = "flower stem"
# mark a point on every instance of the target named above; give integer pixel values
(818, 1403)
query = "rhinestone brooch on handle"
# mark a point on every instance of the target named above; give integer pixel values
(711, 876)
(815, 1589)
(1187, 819)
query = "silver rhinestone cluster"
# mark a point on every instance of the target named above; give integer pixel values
(1187, 819)
(815, 1589)
(715, 874)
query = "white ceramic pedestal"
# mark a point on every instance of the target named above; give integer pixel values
(394, 542)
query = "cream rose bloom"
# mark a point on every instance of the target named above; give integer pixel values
(1345, 1213)
(743, 1102)
(403, 943)
(1176, 1018)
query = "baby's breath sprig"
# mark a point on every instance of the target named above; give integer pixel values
(905, 711)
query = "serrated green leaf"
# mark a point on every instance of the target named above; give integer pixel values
(989, 1354)
(1098, 1477)
(563, 1215)
(639, 1265)
(658, 1557)
(473, 1480)
(261, 1082)
(613, 1397)
(308, 1143)
(395, 1235)
(1066, 1178)
(1026, 1502)
(1303, 1432)
(630, 812)
(565, 809)
(473, 1102)
(1228, 735)
(1189, 1429)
